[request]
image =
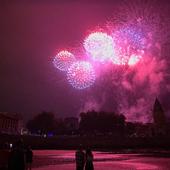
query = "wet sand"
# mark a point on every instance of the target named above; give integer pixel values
(64, 160)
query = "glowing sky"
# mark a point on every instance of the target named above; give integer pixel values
(33, 32)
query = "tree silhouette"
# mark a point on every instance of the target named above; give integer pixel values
(42, 123)
(101, 122)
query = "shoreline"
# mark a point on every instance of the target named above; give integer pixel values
(46, 159)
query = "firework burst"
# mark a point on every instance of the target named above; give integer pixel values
(63, 60)
(99, 46)
(81, 75)
(129, 41)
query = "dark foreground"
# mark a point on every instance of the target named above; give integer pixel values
(104, 142)
(64, 160)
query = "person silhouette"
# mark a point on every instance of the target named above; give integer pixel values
(89, 160)
(80, 158)
(29, 158)
(17, 157)
(4, 156)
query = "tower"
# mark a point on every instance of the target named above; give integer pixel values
(159, 118)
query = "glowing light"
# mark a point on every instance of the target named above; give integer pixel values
(132, 35)
(63, 60)
(134, 59)
(129, 41)
(100, 46)
(81, 75)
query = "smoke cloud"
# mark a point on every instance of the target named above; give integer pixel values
(131, 90)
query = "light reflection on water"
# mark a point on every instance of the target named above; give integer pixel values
(102, 160)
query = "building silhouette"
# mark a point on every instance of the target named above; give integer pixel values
(10, 123)
(159, 118)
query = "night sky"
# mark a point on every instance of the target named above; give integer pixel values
(30, 35)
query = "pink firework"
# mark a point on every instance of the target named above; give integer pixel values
(63, 60)
(130, 41)
(139, 28)
(81, 75)
(99, 46)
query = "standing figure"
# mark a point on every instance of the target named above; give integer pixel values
(80, 158)
(4, 156)
(89, 160)
(29, 156)
(17, 157)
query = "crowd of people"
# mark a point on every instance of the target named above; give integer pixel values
(16, 157)
(20, 157)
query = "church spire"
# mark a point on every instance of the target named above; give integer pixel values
(158, 114)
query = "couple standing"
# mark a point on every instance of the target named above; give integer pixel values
(84, 159)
